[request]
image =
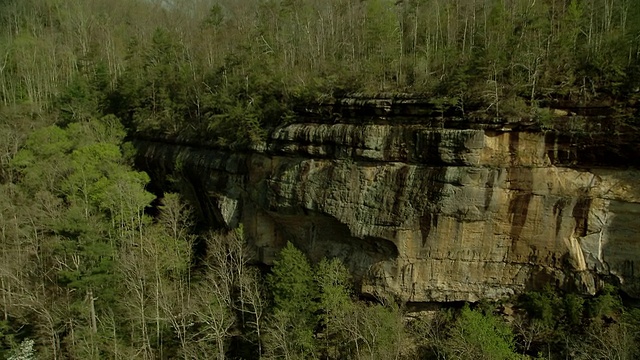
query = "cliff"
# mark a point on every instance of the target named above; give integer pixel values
(429, 206)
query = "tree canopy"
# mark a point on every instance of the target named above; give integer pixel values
(94, 266)
(234, 69)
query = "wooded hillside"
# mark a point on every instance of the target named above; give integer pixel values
(233, 69)
(94, 266)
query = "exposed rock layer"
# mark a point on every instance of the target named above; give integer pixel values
(431, 210)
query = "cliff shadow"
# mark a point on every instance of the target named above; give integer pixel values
(318, 236)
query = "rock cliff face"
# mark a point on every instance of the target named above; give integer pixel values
(429, 209)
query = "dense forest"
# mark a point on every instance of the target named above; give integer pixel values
(94, 266)
(234, 69)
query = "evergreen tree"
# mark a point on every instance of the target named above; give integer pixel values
(293, 321)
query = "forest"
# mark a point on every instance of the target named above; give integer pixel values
(95, 266)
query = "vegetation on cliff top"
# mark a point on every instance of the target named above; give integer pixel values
(230, 70)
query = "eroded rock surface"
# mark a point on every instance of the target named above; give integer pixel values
(424, 212)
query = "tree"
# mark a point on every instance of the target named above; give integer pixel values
(291, 326)
(291, 283)
(333, 281)
(383, 43)
(380, 331)
(478, 336)
(216, 316)
(76, 173)
(254, 304)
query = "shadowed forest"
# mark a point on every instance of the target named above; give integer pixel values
(94, 266)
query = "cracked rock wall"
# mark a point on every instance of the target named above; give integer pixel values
(421, 212)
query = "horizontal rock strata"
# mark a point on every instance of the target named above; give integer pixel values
(426, 213)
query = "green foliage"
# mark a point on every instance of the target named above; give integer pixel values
(156, 74)
(288, 337)
(41, 163)
(544, 117)
(347, 328)
(543, 306)
(78, 248)
(7, 339)
(79, 173)
(293, 288)
(214, 18)
(82, 99)
(383, 43)
(573, 309)
(379, 331)
(291, 282)
(576, 326)
(333, 281)
(606, 304)
(479, 336)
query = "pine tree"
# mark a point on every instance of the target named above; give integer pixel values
(293, 321)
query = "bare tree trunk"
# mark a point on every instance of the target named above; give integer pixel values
(92, 311)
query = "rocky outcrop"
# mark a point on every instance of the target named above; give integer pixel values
(433, 209)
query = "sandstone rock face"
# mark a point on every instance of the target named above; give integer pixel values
(425, 213)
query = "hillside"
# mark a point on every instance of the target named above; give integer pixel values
(319, 179)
